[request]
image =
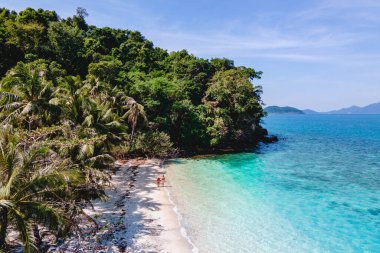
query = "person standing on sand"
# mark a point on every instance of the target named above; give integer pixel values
(163, 179)
(158, 181)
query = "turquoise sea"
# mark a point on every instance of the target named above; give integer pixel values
(316, 190)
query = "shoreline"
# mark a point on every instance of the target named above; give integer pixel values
(183, 230)
(137, 217)
(162, 216)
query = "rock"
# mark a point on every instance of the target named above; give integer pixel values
(270, 139)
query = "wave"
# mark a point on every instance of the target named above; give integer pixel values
(183, 229)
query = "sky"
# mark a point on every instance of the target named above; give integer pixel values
(315, 54)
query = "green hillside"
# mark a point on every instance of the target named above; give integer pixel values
(282, 110)
(75, 97)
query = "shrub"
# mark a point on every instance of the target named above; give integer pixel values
(155, 144)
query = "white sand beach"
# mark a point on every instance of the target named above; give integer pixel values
(138, 216)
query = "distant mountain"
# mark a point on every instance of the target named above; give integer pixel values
(282, 110)
(369, 109)
(308, 111)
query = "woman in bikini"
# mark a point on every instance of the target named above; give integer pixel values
(163, 180)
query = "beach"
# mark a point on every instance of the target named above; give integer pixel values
(137, 217)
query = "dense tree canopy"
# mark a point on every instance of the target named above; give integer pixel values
(200, 103)
(85, 95)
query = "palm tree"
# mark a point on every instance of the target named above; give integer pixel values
(26, 96)
(35, 188)
(103, 119)
(135, 112)
(89, 104)
(73, 99)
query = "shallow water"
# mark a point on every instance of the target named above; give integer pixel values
(316, 190)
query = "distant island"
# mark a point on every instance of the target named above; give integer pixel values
(369, 109)
(308, 111)
(282, 110)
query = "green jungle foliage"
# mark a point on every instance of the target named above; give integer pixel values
(73, 97)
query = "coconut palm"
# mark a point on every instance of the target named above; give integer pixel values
(35, 188)
(134, 114)
(87, 103)
(72, 99)
(27, 97)
(103, 119)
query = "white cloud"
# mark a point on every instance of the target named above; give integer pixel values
(301, 46)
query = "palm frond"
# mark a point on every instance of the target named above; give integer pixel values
(10, 96)
(24, 227)
(104, 159)
(44, 214)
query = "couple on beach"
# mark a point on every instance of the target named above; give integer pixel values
(160, 181)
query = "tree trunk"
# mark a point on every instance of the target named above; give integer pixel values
(3, 227)
(37, 237)
(133, 133)
(132, 139)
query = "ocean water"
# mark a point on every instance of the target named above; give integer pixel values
(316, 190)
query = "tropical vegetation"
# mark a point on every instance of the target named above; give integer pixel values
(75, 97)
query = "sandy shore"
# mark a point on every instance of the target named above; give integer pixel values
(138, 216)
